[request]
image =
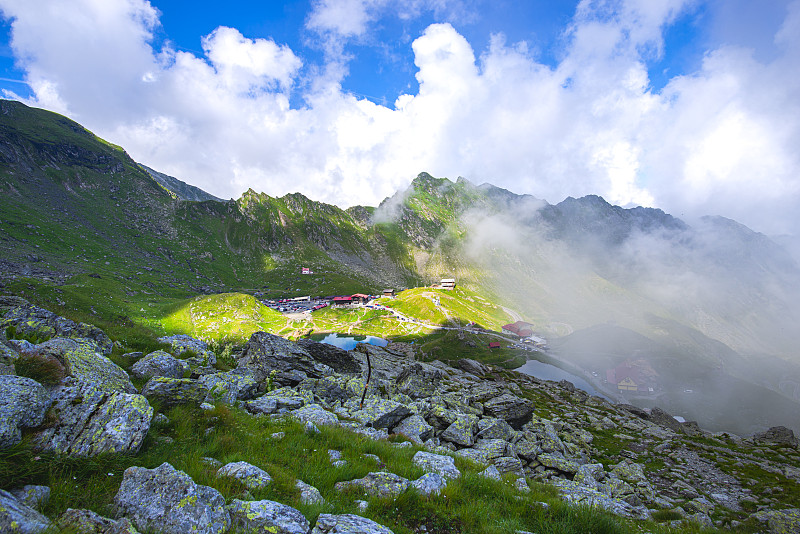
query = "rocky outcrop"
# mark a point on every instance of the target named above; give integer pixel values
(443, 466)
(159, 363)
(266, 352)
(167, 500)
(86, 420)
(175, 391)
(777, 435)
(32, 322)
(183, 344)
(23, 404)
(419, 380)
(230, 386)
(341, 361)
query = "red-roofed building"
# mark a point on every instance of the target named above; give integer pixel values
(633, 375)
(520, 328)
(342, 301)
(360, 298)
(494, 345)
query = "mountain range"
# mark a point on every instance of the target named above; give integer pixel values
(709, 305)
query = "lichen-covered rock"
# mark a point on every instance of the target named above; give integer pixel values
(88, 421)
(429, 484)
(251, 476)
(33, 496)
(341, 361)
(508, 464)
(512, 409)
(777, 435)
(7, 355)
(315, 414)
(230, 387)
(267, 352)
(577, 494)
(491, 472)
(308, 493)
(461, 431)
(18, 517)
(338, 388)
(557, 461)
(89, 522)
(270, 404)
(174, 391)
(436, 463)
(492, 448)
(414, 428)
(167, 500)
(158, 363)
(493, 428)
(475, 455)
(31, 322)
(528, 450)
(380, 484)
(82, 359)
(419, 380)
(23, 404)
(267, 516)
(381, 413)
(181, 344)
(347, 524)
(780, 521)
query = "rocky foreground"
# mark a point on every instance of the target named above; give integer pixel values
(631, 462)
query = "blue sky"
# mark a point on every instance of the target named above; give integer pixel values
(687, 105)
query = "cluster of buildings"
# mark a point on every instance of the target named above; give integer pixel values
(633, 376)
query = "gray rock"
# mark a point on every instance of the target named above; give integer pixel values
(473, 367)
(557, 461)
(183, 343)
(158, 363)
(30, 321)
(308, 493)
(380, 484)
(436, 463)
(777, 435)
(491, 472)
(168, 501)
(414, 428)
(273, 404)
(347, 524)
(575, 493)
(461, 431)
(18, 517)
(512, 409)
(341, 361)
(88, 421)
(230, 387)
(175, 391)
(493, 428)
(528, 450)
(429, 484)
(251, 476)
(316, 414)
(419, 380)
(266, 352)
(508, 464)
(23, 404)
(475, 455)
(662, 418)
(381, 413)
(267, 516)
(33, 496)
(492, 448)
(89, 522)
(780, 521)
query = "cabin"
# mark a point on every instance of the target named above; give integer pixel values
(360, 298)
(633, 376)
(519, 329)
(306, 270)
(388, 293)
(494, 345)
(447, 283)
(342, 301)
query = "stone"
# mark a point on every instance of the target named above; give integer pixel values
(492, 448)
(267, 352)
(33, 322)
(436, 463)
(429, 484)
(512, 409)
(230, 386)
(308, 493)
(491, 472)
(493, 428)
(87, 421)
(381, 413)
(473, 367)
(777, 435)
(379, 484)
(269, 404)
(89, 522)
(267, 516)
(461, 431)
(575, 493)
(251, 476)
(347, 524)
(182, 343)
(664, 419)
(18, 517)
(83, 360)
(589, 475)
(158, 363)
(341, 361)
(528, 450)
(418, 380)
(414, 428)
(508, 464)
(23, 404)
(475, 455)
(316, 414)
(168, 501)
(557, 461)
(33, 496)
(521, 485)
(170, 392)
(780, 521)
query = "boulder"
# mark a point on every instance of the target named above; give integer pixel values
(379, 484)
(440, 464)
(23, 404)
(31, 322)
(777, 435)
(308, 493)
(414, 428)
(780, 521)
(82, 359)
(663, 419)
(493, 428)
(492, 448)
(33, 496)
(18, 517)
(491, 472)
(341, 361)
(508, 464)
(89, 522)
(512, 409)
(158, 363)
(526, 449)
(473, 367)
(230, 387)
(269, 404)
(381, 413)
(419, 380)
(88, 421)
(316, 414)
(267, 352)
(461, 431)
(181, 344)
(267, 516)
(347, 524)
(251, 476)
(175, 391)
(167, 500)
(429, 484)
(557, 461)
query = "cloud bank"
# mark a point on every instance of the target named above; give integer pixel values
(720, 140)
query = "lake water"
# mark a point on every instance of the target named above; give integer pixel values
(350, 342)
(545, 371)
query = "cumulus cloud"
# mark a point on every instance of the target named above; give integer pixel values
(719, 140)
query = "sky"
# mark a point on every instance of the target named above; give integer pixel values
(691, 106)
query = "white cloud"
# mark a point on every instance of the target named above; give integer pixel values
(721, 140)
